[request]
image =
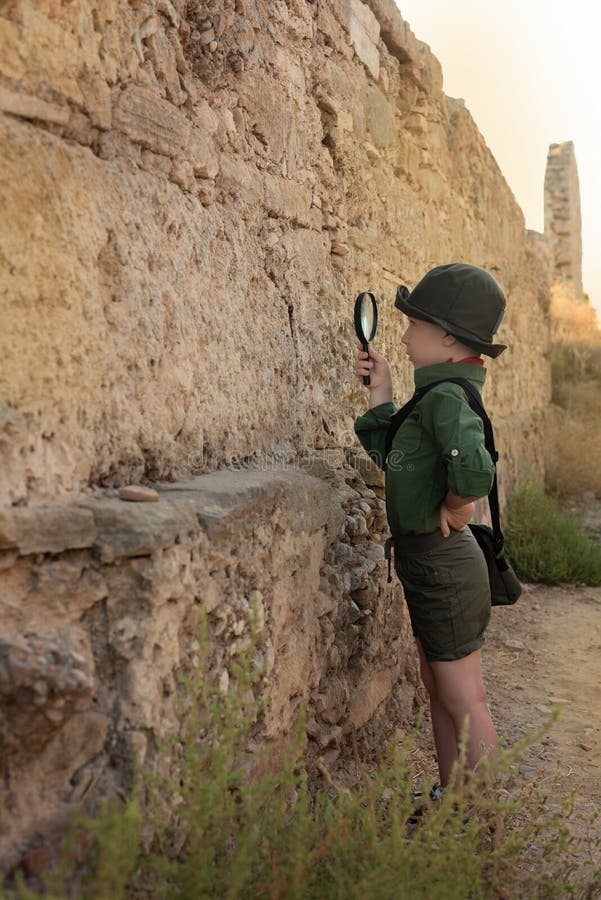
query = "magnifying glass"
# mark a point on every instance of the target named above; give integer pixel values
(366, 321)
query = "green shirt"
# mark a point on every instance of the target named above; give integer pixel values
(439, 447)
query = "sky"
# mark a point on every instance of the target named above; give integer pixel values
(529, 72)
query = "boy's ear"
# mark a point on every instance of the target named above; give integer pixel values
(448, 340)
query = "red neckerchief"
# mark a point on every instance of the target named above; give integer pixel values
(469, 359)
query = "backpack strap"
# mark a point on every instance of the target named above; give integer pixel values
(473, 398)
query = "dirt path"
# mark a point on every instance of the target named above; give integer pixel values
(546, 651)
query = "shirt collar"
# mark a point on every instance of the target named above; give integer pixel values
(426, 374)
(471, 359)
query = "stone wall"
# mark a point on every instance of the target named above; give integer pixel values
(193, 194)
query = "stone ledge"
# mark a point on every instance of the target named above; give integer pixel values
(227, 494)
(46, 529)
(138, 529)
(119, 529)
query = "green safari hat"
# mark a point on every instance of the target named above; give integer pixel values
(463, 299)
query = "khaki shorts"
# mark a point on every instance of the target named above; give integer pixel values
(447, 591)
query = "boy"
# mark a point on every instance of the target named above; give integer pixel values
(438, 465)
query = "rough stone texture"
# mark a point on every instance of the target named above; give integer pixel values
(193, 194)
(563, 223)
(94, 639)
(365, 32)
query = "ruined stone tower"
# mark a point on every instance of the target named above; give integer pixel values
(563, 224)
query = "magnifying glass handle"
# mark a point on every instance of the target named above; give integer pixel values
(366, 348)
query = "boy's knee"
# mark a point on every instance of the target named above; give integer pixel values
(459, 703)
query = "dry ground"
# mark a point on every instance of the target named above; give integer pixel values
(546, 651)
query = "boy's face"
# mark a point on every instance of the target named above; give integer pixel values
(425, 343)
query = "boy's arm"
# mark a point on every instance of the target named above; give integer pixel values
(372, 426)
(455, 512)
(459, 435)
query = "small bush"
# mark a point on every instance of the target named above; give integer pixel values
(547, 544)
(219, 828)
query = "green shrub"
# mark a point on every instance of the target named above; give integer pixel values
(221, 828)
(547, 544)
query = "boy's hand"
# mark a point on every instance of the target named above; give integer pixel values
(456, 518)
(376, 366)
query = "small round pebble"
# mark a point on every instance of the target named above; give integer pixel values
(138, 493)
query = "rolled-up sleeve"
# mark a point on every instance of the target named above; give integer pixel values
(371, 430)
(459, 435)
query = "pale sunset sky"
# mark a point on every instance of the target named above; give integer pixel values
(529, 72)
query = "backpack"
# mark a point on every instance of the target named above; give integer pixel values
(505, 587)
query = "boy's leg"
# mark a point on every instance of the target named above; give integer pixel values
(460, 690)
(443, 727)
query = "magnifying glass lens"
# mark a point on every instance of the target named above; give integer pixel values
(367, 317)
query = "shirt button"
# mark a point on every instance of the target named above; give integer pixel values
(455, 452)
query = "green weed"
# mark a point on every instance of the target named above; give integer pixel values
(223, 822)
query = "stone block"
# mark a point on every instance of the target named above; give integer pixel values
(164, 61)
(43, 50)
(149, 120)
(201, 154)
(368, 695)
(221, 498)
(269, 110)
(131, 529)
(182, 174)
(432, 182)
(365, 33)
(328, 25)
(408, 158)
(239, 179)
(205, 118)
(288, 199)
(46, 529)
(97, 100)
(380, 117)
(395, 32)
(28, 107)
(43, 681)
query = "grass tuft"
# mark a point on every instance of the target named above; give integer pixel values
(547, 544)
